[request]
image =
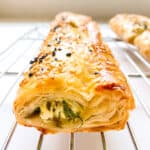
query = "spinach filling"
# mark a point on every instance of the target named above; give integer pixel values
(48, 105)
(140, 28)
(36, 112)
(68, 111)
(59, 112)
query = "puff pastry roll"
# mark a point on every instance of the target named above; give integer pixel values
(134, 29)
(142, 42)
(74, 84)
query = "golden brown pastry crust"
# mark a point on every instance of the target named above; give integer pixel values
(129, 26)
(75, 64)
(133, 29)
(142, 42)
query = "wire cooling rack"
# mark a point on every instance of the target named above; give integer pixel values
(14, 60)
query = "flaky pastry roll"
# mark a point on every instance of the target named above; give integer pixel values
(134, 29)
(142, 42)
(74, 84)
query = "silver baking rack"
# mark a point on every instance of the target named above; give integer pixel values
(15, 60)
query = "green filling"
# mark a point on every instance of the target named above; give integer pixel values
(48, 105)
(140, 28)
(68, 111)
(36, 112)
(59, 112)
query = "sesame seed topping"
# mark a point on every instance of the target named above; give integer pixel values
(42, 69)
(33, 61)
(55, 28)
(40, 60)
(59, 49)
(96, 73)
(30, 74)
(58, 40)
(68, 54)
(90, 50)
(53, 53)
(42, 57)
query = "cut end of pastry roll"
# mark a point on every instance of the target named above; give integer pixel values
(129, 26)
(142, 42)
(74, 84)
(134, 29)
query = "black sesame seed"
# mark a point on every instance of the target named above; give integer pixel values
(42, 69)
(35, 59)
(55, 49)
(40, 60)
(53, 53)
(42, 57)
(49, 45)
(68, 54)
(90, 50)
(56, 59)
(31, 62)
(58, 42)
(54, 109)
(56, 39)
(48, 105)
(96, 73)
(59, 49)
(55, 28)
(30, 74)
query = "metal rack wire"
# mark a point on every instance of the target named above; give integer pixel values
(33, 44)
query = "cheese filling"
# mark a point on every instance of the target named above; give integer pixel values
(60, 113)
(139, 28)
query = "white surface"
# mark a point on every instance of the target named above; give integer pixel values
(24, 138)
(57, 141)
(27, 138)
